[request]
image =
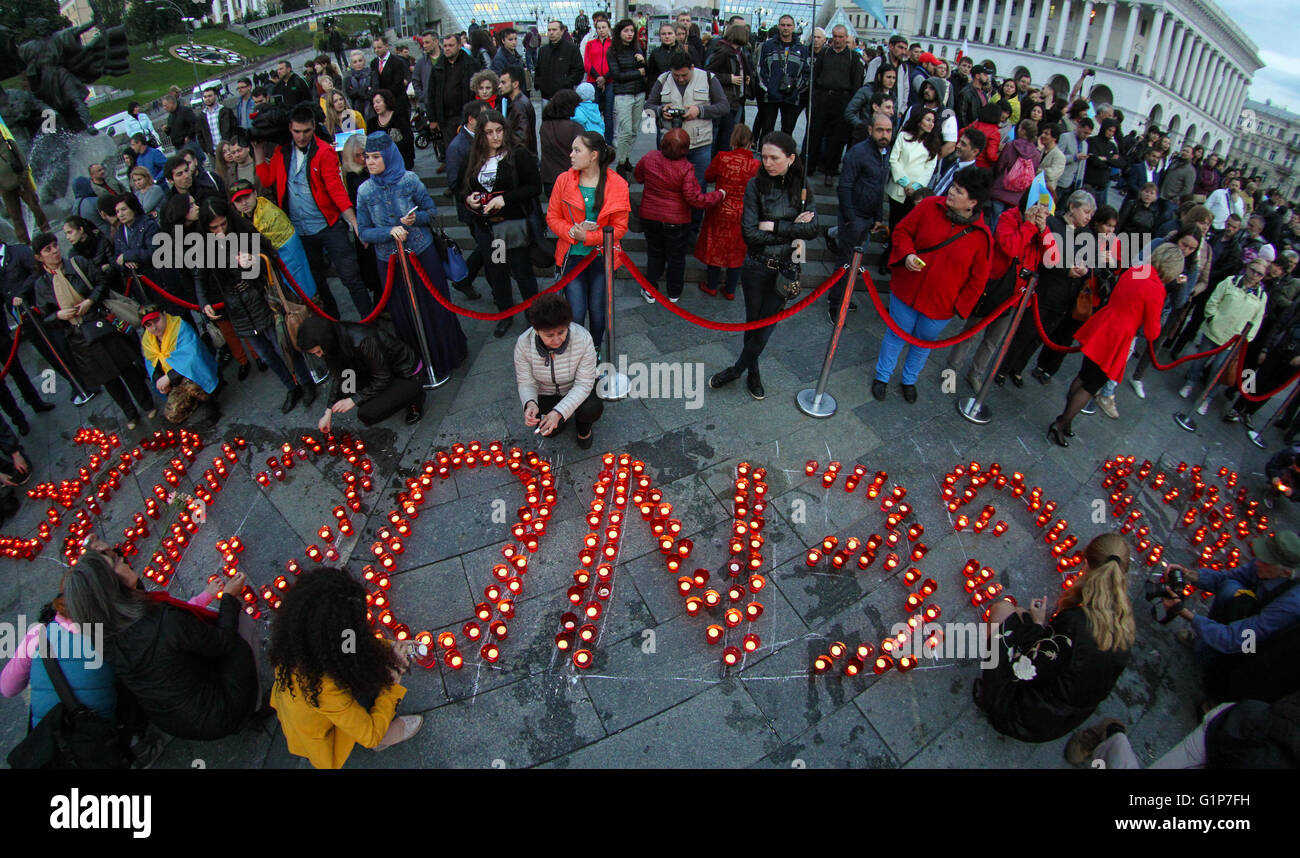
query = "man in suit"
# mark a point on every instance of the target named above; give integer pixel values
(216, 123)
(390, 71)
(1146, 170)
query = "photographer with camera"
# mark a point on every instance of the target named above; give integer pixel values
(1248, 643)
(690, 98)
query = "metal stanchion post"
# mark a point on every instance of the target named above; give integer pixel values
(82, 396)
(613, 384)
(417, 320)
(973, 408)
(1257, 437)
(1185, 419)
(816, 402)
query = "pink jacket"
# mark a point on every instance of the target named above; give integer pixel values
(671, 189)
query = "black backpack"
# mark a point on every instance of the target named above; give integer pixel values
(71, 735)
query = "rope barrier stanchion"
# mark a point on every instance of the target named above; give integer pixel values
(432, 381)
(1043, 335)
(315, 308)
(613, 385)
(82, 396)
(816, 402)
(973, 408)
(170, 297)
(13, 351)
(1257, 437)
(1186, 420)
(1165, 367)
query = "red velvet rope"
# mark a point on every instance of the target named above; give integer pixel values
(1042, 334)
(170, 297)
(933, 344)
(511, 311)
(1249, 397)
(13, 351)
(729, 326)
(374, 314)
(1151, 353)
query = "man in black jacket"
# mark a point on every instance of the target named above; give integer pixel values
(861, 196)
(974, 96)
(391, 73)
(384, 369)
(837, 74)
(182, 126)
(559, 66)
(520, 115)
(449, 86)
(290, 89)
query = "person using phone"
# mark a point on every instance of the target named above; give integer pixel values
(1052, 670)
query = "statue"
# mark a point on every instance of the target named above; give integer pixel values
(57, 66)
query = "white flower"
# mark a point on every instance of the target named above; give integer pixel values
(1023, 668)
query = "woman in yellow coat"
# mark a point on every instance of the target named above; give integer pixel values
(336, 685)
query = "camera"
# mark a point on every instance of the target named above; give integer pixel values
(1159, 587)
(674, 116)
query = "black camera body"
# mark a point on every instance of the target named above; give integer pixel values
(674, 116)
(1156, 589)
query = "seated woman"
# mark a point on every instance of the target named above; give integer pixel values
(181, 367)
(555, 370)
(384, 369)
(1051, 673)
(331, 698)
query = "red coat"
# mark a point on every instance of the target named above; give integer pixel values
(720, 241)
(1107, 336)
(988, 156)
(325, 178)
(954, 277)
(671, 189)
(1016, 238)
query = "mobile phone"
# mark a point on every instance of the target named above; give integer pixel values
(413, 210)
(920, 261)
(589, 225)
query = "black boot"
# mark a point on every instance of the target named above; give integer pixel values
(415, 411)
(40, 406)
(755, 385)
(308, 393)
(244, 369)
(291, 399)
(727, 376)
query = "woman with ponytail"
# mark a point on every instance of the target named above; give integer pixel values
(584, 201)
(1051, 673)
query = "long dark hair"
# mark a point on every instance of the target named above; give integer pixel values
(561, 106)
(309, 633)
(174, 212)
(478, 150)
(933, 141)
(236, 223)
(595, 141)
(792, 182)
(617, 43)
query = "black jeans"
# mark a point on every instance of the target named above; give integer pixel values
(665, 248)
(758, 283)
(1027, 341)
(828, 132)
(131, 385)
(1275, 370)
(518, 263)
(587, 413)
(789, 117)
(336, 241)
(400, 393)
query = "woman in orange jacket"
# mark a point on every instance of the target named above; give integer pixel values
(585, 200)
(336, 685)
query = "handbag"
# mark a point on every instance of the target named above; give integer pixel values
(292, 310)
(997, 291)
(513, 233)
(116, 311)
(71, 735)
(453, 261)
(541, 244)
(1084, 302)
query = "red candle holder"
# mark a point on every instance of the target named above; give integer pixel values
(822, 663)
(753, 611)
(882, 664)
(751, 642)
(731, 656)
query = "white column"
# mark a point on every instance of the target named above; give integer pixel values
(1005, 30)
(1085, 21)
(956, 19)
(230, 10)
(943, 20)
(1239, 95)
(1168, 48)
(1062, 22)
(1221, 95)
(1040, 32)
(1023, 29)
(987, 33)
(974, 19)
(1154, 37)
(1176, 46)
(1196, 70)
(1106, 23)
(1179, 75)
(1125, 59)
(1201, 98)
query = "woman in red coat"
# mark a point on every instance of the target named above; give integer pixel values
(671, 191)
(940, 262)
(1107, 336)
(721, 245)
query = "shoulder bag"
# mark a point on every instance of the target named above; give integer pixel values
(119, 307)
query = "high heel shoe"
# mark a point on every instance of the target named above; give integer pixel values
(1054, 435)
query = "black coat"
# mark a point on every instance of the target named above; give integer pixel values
(657, 62)
(518, 179)
(182, 126)
(193, 679)
(18, 274)
(291, 92)
(376, 357)
(1056, 288)
(245, 298)
(863, 176)
(449, 90)
(558, 67)
(1255, 735)
(393, 78)
(968, 105)
(1065, 690)
(774, 205)
(626, 72)
(96, 360)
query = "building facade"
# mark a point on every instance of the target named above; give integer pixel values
(1267, 144)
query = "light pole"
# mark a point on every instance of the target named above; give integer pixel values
(189, 32)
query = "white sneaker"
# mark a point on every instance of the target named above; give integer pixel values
(1186, 391)
(1136, 384)
(647, 297)
(674, 300)
(1107, 406)
(1204, 407)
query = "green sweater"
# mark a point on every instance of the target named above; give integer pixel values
(1230, 308)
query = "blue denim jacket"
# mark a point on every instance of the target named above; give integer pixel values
(381, 209)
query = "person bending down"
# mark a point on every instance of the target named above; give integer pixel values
(383, 369)
(555, 370)
(180, 366)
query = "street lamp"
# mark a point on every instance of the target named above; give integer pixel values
(189, 32)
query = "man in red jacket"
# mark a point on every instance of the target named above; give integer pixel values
(940, 264)
(308, 185)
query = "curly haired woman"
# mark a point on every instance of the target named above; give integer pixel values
(331, 697)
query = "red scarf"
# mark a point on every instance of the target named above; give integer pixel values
(166, 599)
(490, 102)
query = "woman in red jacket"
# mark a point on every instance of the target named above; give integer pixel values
(1107, 337)
(940, 261)
(721, 244)
(670, 192)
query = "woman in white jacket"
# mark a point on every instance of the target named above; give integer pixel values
(912, 162)
(555, 371)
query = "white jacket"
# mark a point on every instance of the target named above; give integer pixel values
(570, 372)
(909, 161)
(1221, 203)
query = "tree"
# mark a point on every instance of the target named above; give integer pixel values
(28, 12)
(295, 5)
(147, 22)
(108, 13)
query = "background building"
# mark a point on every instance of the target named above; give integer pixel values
(1267, 144)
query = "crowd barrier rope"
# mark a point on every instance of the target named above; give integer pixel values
(374, 314)
(509, 311)
(935, 344)
(13, 352)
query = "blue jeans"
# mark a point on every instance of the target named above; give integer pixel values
(722, 128)
(916, 324)
(699, 159)
(336, 242)
(586, 296)
(267, 350)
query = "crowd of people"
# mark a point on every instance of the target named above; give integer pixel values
(977, 186)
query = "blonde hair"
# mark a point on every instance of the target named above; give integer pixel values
(142, 171)
(349, 154)
(1168, 261)
(1102, 593)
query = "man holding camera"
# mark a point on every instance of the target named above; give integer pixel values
(1247, 643)
(690, 98)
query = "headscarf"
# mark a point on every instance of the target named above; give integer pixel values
(378, 142)
(315, 331)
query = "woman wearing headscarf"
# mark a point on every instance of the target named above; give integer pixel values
(386, 371)
(393, 205)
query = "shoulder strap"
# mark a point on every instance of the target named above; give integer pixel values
(949, 240)
(1285, 588)
(57, 679)
(72, 260)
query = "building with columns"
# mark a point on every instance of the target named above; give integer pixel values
(227, 11)
(1267, 144)
(1182, 65)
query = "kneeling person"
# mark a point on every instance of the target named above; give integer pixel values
(383, 370)
(180, 366)
(555, 370)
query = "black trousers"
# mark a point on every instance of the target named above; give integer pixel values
(587, 413)
(1027, 341)
(666, 247)
(399, 394)
(1195, 316)
(1050, 360)
(758, 283)
(767, 117)
(828, 132)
